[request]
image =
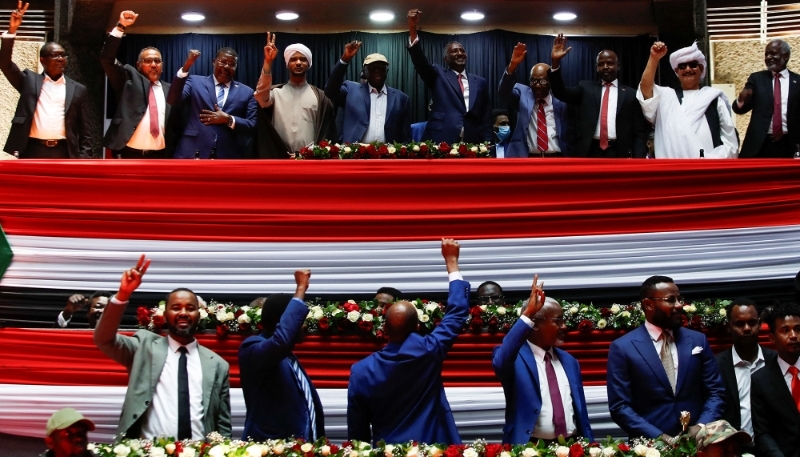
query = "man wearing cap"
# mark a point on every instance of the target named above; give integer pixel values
(294, 114)
(66, 434)
(721, 439)
(692, 121)
(373, 111)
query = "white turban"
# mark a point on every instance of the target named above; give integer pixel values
(297, 47)
(688, 54)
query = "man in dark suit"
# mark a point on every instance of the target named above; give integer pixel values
(396, 394)
(769, 134)
(97, 304)
(610, 120)
(222, 112)
(280, 398)
(534, 137)
(542, 384)
(776, 388)
(51, 119)
(739, 362)
(461, 108)
(138, 128)
(373, 111)
(660, 369)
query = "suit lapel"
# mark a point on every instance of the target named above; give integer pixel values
(598, 94)
(39, 81)
(365, 95)
(726, 367)
(574, 383)
(391, 96)
(527, 357)
(70, 93)
(452, 79)
(208, 374)
(622, 92)
(160, 349)
(684, 345)
(793, 91)
(644, 346)
(557, 115)
(473, 89)
(212, 91)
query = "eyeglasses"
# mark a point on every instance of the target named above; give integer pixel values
(672, 299)
(57, 56)
(490, 298)
(559, 321)
(151, 61)
(540, 82)
(693, 64)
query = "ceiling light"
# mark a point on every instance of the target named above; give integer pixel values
(564, 16)
(286, 15)
(381, 16)
(472, 15)
(192, 16)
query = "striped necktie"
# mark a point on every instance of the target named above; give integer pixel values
(305, 387)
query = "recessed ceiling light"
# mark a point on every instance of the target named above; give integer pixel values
(286, 15)
(472, 15)
(381, 16)
(564, 16)
(192, 16)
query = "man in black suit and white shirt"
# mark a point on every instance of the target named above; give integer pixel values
(51, 117)
(767, 135)
(610, 120)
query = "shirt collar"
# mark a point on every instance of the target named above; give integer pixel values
(784, 73)
(737, 359)
(382, 91)
(62, 80)
(298, 85)
(614, 83)
(174, 345)
(547, 100)
(217, 83)
(656, 331)
(785, 365)
(539, 353)
(461, 73)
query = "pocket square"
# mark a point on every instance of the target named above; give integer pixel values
(697, 350)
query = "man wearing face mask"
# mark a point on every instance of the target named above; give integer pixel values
(691, 119)
(541, 118)
(502, 134)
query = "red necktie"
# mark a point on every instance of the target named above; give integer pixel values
(541, 128)
(153, 108)
(604, 119)
(559, 419)
(795, 386)
(777, 116)
(461, 83)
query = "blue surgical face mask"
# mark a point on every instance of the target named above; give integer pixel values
(503, 132)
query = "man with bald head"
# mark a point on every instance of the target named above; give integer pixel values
(611, 121)
(396, 394)
(542, 384)
(541, 118)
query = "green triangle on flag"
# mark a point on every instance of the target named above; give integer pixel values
(5, 253)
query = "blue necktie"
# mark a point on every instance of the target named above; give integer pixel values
(220, 95)
(305, 387)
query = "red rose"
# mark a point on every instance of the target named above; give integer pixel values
(244, 327)
(506, 327)
(158, 321)
(351, 307)
(585, 325)
(492, 450)
(493, 323)
(576, 450)
(383, 149)
(324, 323)
(260, 327)
(436, 321)
(470, 154)
(462, 148)
(624, 447)
(238, 313)
(222, 330)
(323, 143)
(444, 147)
(605, 312)
(476, 324)
(143, 316)
(475, 311)
(684, 320)
(346, 444)
(379, 334)
(696, 323)
(365, 326)
(334, 448)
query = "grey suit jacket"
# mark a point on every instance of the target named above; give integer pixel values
(144, 355)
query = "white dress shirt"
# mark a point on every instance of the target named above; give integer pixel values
(465, 82)
(612, 110)
(550, 120)
(743, 370)
(142, 138)
(48, 119)
(655, 335)
(376, 131)
(545, 429)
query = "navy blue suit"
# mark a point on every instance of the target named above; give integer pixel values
(776, 420)
(355, 100)
(200, 93)
(640, 397)
(276, 406)
(448, 113)
(515, 366)
(398, 390)
(520, 98)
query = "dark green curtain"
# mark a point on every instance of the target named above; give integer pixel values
(488, 55)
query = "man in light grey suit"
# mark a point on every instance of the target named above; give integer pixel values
(175, 387)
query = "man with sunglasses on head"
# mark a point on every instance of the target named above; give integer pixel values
(51, 119)
(692, 121)
(661, 369)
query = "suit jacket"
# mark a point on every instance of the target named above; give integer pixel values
(448, 114)
(200, 93)
(276, 406)
(632, 127)
(733, 413)
(131, 90)
(355, 101)
(640, 397)
(776, 420)
(29, 86)
(761, 83)
(398, 390)
(144, 355)
(515, 366)
(520, 98)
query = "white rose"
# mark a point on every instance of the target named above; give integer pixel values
(615, 309)
(483, 148)
(121, 450)
(353, 316)
(419, 313)
(327, 148)
(367, 317)
(601, 324)
(90, 447)
(159, 452)
(454, 152)
(337, 311)
(159, 312)
(325, 450)
(244, 319)
(608, 452)
(505, 454)
(584, 309)
(625, 314)
(363, 445)
(573, 310)
(253, 450)
(170, 448)
(203, 314)
(474, 149)
(722, 312)
(230, 316)
(352, 302)
(562, 451)
(347, 149)
(640, 449)
(413, 452)
(135, 445)
(216, 451)
(388, 450)
(530, 452)
(415, 148)
(391, 149)
(188, 452)
(483, 308)
(501, 310)
(318, 313)
(366, 453)
(353, 453)
(278, 449)
(595, 451)
(653, 453)
(162, 308)
(307, 447)
(424, 318)
(222, 316)
(690, 308)
(431, 307)
(470, 452)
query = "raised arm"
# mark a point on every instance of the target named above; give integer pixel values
(424, 69)
(9, 68)
(334, 87)
(657, 51)
(114, 70)
(264, 86)
(504, 355)
(506, 89)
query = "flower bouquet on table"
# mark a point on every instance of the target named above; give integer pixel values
(229, 318)
(492, 318)
(589, 317)
(380, 150)
(429, 313)
(344, 318)
(153, 318)
(323, 150)
(705, 313)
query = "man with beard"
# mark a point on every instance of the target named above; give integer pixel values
(610, 119)
(773, 95)
(691, 121)
(175, 386)
(542, 384)
(541, 118)
(51, 119)
(222, 112)
(295, 114)
(66, 434)
(660, 369)
(138, 129)
(97, 304)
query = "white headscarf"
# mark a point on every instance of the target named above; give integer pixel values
(688, 54)
(297, 47)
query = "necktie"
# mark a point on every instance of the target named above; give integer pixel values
(666, 358)
(559, 420)
(795, 386)
(220, 95)
(460, 82)
(153, 109)
(541, 128)
(777, 116)
(305, 387)
(604, 119)
(184, 418)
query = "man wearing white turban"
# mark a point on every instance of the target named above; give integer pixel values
(690, 122)
(294, 114)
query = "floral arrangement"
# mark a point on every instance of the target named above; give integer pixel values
(229, 318)
(217, 446)
(349, 317)
(493, 318)
(378, 150)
